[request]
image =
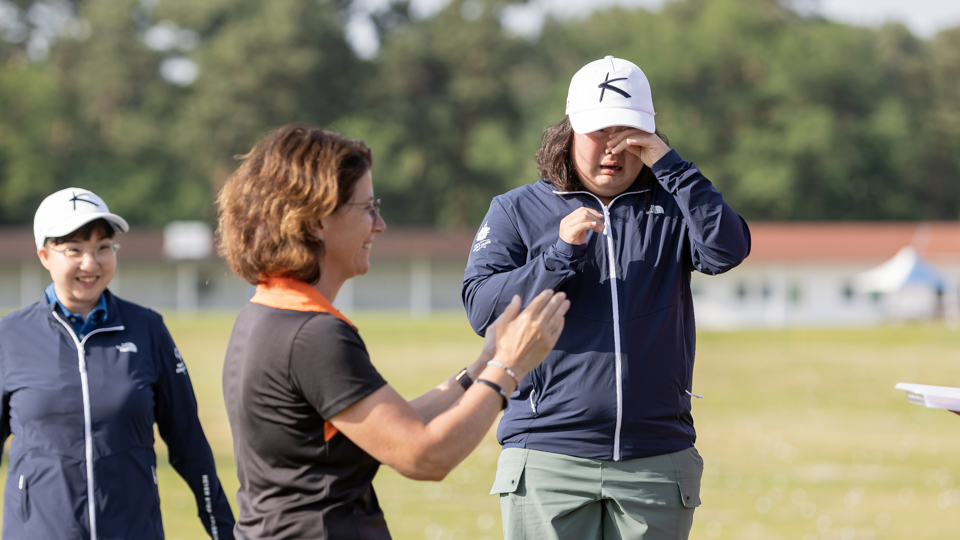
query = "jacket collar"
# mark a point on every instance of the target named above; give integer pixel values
(636, 187)
(295, 295)
(112, 306)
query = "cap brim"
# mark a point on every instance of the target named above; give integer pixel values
(76, 221)
(596, 119)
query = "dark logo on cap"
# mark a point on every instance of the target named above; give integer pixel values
(605, 85)
(77, 198)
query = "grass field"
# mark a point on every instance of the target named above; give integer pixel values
(802, 433)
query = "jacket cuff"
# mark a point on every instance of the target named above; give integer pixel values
(570, 251)
(668, 162)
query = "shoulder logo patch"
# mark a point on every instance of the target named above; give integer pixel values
(482, 240)
(181, 367)
(484, 231)
(127, 347)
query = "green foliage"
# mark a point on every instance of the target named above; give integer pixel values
(29, 132)
(444, 123)
(792, 117)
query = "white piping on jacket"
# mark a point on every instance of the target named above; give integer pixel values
(87, 418)
(611, 261)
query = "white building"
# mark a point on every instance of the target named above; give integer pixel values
(798, 274)
(805, 274)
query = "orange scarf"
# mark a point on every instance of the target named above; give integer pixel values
(296, 295)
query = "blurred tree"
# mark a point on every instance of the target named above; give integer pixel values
(30, 136)
(444, 115)
(160, 96)
(148, 101)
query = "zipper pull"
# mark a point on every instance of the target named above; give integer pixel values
(689, 393)
(21, 482)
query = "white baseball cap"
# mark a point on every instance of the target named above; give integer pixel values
(69, 209)
(610, 92)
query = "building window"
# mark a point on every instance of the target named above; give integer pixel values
(741, 291)
(848, 292)
(795, 293)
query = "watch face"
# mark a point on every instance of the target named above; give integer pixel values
(464, 379)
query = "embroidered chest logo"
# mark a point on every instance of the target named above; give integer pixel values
(181, 367)
(605, 85)
(127, 347)
(482, 240)
(655, 209)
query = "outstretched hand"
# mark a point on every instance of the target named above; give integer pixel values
(524, 338)
(646, 146)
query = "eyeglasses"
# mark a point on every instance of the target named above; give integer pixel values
(373, 207)
(104, 254)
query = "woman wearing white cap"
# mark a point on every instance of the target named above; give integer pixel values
(84, 377)
(598, 441)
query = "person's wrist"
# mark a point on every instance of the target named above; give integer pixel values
(510, 362)
(510, 372)
(474, 369)
(464, 378)
(499, 376)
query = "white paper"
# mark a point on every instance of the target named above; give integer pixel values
(933, 397)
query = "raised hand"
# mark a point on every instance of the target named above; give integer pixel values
(647, 146)
(574, 227)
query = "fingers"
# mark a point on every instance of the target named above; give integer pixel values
(635, 134)
(585, 211)
(619, 147)
(538, 303)
(647, 146)
(573, 227)
(576, 230)
(547, 311)
(509, 312)
(553, 316)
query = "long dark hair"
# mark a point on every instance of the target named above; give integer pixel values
(555, 162)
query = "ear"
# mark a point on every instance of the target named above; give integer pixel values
(44, 257)
(315, 228)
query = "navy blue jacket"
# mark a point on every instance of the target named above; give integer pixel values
(619, 381)
(82, 413)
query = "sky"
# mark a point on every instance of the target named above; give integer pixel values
(923, 17)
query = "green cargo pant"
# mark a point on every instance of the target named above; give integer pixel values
(546, 496)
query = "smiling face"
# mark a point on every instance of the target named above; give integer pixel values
(347, 236)
(78, 287)
(604, 174)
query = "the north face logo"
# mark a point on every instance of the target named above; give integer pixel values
(127, 347)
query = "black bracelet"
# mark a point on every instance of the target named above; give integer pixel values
(464, 379)
(496, 387)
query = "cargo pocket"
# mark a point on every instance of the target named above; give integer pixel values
(509, 471)
(690, 493)
(689, 472)
(24, 499)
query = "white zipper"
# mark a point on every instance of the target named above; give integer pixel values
(87, 420)
(611, 261)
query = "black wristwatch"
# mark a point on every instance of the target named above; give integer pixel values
(464, 379)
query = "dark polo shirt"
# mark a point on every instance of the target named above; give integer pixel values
(292, 362)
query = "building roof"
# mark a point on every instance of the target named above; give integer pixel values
(853, 241)
(772, 242)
